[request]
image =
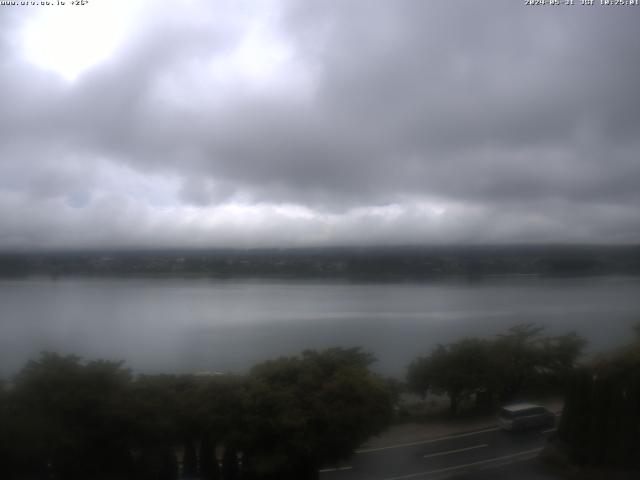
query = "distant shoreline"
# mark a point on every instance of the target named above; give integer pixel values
(347, 264)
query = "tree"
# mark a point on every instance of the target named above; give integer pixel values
(502, 366)
(219, 404)
(518, 354)
(72, 417)
(560, 353)
(162, 421)
(7, 455)
(310, 410)
(601, 414)
(459, 370)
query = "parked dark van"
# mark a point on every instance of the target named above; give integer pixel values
(522, 416)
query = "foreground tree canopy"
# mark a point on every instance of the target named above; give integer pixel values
(496, 369)
(600, 424)
(62, 417)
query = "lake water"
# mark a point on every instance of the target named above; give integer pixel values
(181, 325)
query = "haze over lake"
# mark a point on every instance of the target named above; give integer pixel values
(190, 325)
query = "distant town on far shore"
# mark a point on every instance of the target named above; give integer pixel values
(350, 263)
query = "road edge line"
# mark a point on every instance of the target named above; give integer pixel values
(431, 440)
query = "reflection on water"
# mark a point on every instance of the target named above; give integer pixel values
(194, 325)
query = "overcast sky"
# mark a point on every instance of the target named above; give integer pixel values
(153, 123)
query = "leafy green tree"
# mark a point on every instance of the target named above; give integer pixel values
(518, 353)
(310, 410)
(460, 369)
(519, 358)
(560, 353)
(72, 417)
(7, 455)
(219, 407)
(601, 413)
(164, 420)
(525, 356)
(154, 407)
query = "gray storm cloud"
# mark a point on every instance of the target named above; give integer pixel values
(317, 123)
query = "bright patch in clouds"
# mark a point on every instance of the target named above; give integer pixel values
(261, 59)
(69, 40)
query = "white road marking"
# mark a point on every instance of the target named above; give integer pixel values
(466, 465)
(456, 451)
(339, 469)
(550, 430)
(423, 442)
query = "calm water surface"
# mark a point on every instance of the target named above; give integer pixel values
(179, 325)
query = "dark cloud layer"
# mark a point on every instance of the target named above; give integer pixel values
(329, 122)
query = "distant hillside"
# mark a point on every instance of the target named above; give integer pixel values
(389, 263)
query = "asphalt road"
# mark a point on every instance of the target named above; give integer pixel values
(466, 456)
